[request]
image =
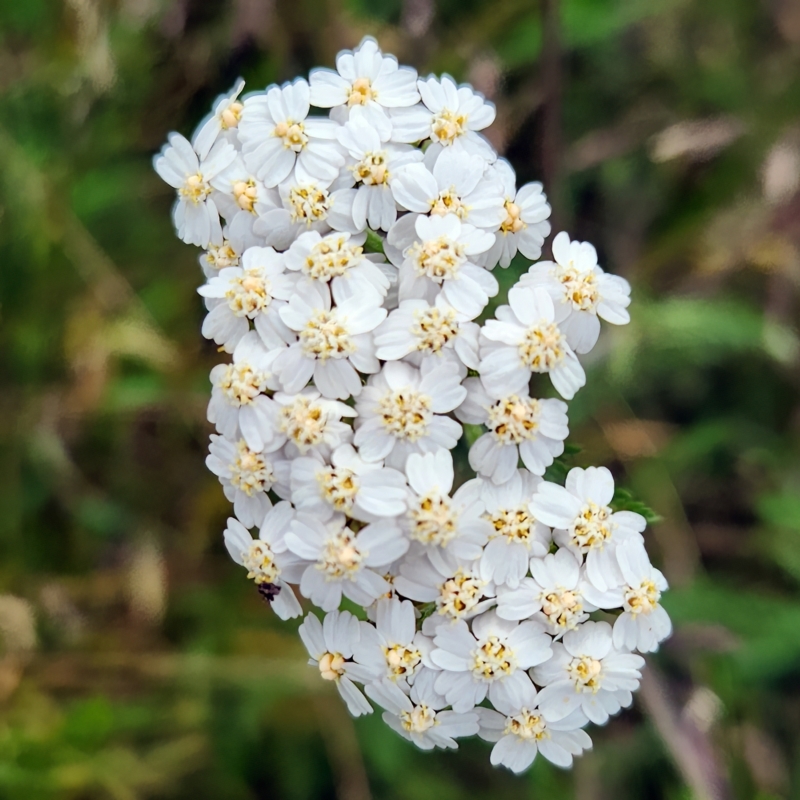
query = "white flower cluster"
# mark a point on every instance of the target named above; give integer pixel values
(347, 258)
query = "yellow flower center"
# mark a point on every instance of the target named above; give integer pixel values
(513, 222)
(542, 348)
(514, 419)
(592, 528)
(527, 725)
(250, 472)
(361, 92)
(241, 384)
(293, 135)
(406, 414)
(642, 599)
(331, 258)
(331, 666)
(339, 487)
(438, 259)
(248, 295)
(459, 594)
(341, 557)
(447, 126)
(195, 189)
(419, 720)
(434, 521)
(433, 328)
(563, 608)
(260, 564)
(586, 673)
(401, 661)
(308, 204)
(231, 116)
(372, 169)
(493, 659)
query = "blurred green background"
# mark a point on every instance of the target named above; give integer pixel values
(136, 661)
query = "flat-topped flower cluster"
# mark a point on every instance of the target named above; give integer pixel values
(347, 258)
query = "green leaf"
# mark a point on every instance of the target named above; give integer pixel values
(624, 500)
(374, 243)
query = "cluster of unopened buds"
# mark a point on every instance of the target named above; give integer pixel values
(347, 259)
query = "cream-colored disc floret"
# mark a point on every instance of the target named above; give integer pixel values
(401, 660)
(232, 115)
(447, 126)
(421, 719)
(331, 258)
(221, 256)
(241, 384)
(433, 328)
(580, 288)
(527, 725)
(406, 414)
(250, 472)
(586, 673)
(459, 595)
(516, 524)
(448, 202)
(438, 259)
(592, 528)
(513, 222)
(563, 607)
(514, 419)
(293, 135)
(249, 294)
(308, 204)
(361, 92)
(339, 486)
(341, 557)
(304, 422)
(372, 170)
(542, 347)
(331, 666)
(195, 189)
(245, 193)
(326, 337)
(642, 599)
(434, 521)
(260, 563)
(493, 659)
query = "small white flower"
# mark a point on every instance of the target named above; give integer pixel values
(392, 648)
(366, 83)
(585, 524)
(519, 426)
(238, 402)
(400, 411)
(338, 259)
(266, 558)
(644, 623)
(371, 168)
(418, 717)
(239, 194)
(522, 729)
(524, 219)
(348, 485)
(586, 672)
(343, 562)
(555, 595)
(492, 659)
(456, 590)
(526, 338)
(576, 281)
(236, 238)
(248, 292)
(450, 115)
(223, 121)
(515, 533)
(246, 476)
(418, 329)
(278, 136)
(333, 342)
(436, 257)
(194, 213)
(454, 524)
(301, 206)
(456, 183)
(330, 645)
(308, 423)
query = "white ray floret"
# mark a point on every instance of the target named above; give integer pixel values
(555, 595)
(516, 535)
(341, 561)
(522, 730)
(330, 644)
(400, 411)
(576, 281)
(334, 342)
(419, 717)
(195, 215)
(524, 221)
(588, 673)
(223, 121)
(525, 339)
(584, 523)
(236, 238)
(366, 491)
(520, 427)
(366, 83)
(490, 659)
(247, 475)
(253, 291)
(267, 560)
(278, 136)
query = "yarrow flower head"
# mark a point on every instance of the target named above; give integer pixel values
(350, 225)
